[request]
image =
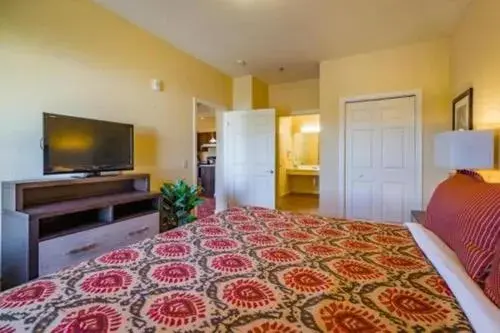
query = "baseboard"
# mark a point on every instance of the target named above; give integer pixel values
(284, 195)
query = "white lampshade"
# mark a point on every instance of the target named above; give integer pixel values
(461, 150)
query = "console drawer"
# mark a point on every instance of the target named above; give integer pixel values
(133, 230)
(66, 251)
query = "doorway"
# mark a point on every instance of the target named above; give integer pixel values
(381, 159)
(298, 163)
(206, 156)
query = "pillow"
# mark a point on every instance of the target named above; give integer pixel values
(448, 200)
(492, 284)
(464, 212)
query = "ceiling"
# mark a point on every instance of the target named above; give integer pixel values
(295, 34)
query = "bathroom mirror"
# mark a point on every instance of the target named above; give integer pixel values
(306, 148)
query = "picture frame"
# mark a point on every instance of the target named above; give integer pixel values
(463, 111)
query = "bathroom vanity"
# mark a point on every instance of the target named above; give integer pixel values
(303, 179)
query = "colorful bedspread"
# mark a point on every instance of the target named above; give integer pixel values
(246, 270)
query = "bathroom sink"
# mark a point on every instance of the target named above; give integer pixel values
(308, 167)
(304, 170)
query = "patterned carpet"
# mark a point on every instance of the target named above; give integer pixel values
(207, 208)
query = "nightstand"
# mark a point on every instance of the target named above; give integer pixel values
(418, 216)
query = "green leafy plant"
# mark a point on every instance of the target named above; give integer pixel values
(178, 201)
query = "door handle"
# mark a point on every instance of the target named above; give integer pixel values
(138, 232)
(85, 248)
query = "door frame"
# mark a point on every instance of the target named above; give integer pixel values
(341, 194)
(219, 166)
(296, 113)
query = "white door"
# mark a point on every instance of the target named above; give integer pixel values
(250, 158)
(381, 163)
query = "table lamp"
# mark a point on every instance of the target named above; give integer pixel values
(465, 151)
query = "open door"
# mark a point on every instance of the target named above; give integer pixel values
(250, 158)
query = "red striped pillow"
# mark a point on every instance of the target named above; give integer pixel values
(492, 284)
(448, 200)
(464, 212)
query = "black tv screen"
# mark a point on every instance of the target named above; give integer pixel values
(74, 145)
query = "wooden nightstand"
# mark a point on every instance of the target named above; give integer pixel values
(418, 216)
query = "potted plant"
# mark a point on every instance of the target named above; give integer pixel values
(178, 201)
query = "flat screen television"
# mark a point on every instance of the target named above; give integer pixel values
(79, 145)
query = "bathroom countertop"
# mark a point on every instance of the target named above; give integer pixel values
(303, 170)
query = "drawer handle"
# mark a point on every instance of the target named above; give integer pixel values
(138, 232)
(85, 248)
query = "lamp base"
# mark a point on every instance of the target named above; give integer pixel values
(470, 173)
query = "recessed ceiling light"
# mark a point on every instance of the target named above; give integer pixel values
(241, 62)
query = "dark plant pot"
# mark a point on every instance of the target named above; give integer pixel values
(166, 224)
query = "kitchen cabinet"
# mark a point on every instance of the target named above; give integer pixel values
(207, 179)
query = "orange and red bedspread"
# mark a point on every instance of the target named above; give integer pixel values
(246, 270)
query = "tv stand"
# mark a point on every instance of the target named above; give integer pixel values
(54, 224)
(94, 174)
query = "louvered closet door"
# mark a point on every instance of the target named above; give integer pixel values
(380, 159)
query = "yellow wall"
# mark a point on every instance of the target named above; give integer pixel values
(475, 62)
(74, 57)
(294, 96)
(419, 66)
(250, 93)
(260, 94)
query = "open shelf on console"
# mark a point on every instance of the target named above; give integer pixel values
(73, 206)
(133, 209)
(55, 226)
(72, 216)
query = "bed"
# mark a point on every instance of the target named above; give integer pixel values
(258, 270)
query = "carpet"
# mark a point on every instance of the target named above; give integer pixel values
(207, 208)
